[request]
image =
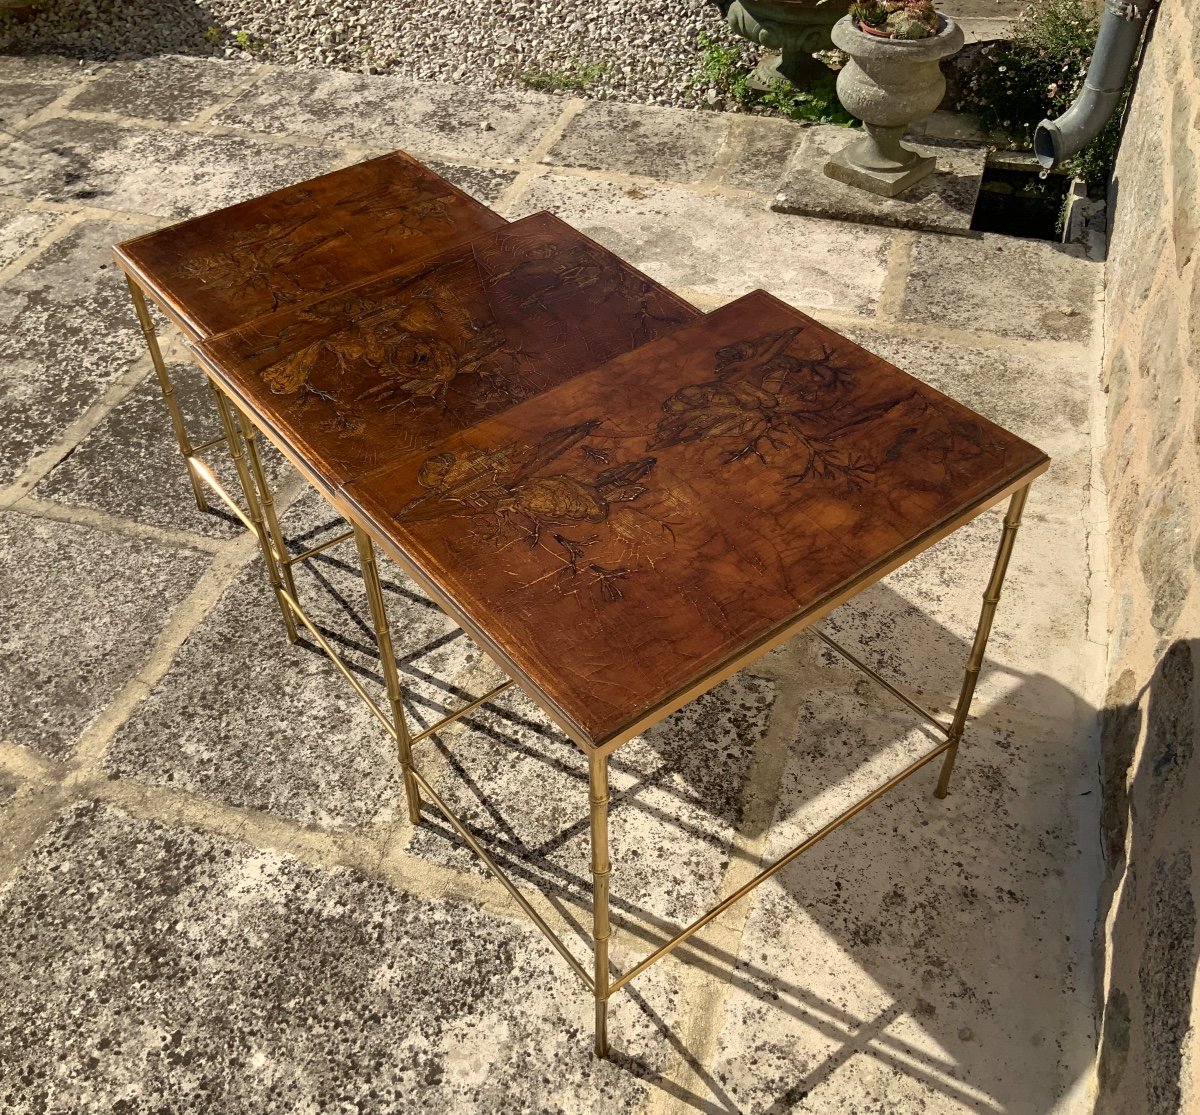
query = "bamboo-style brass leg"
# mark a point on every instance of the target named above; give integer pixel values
(601, 868)
(391, 677)
(250, 436)
(167, 388)
(256, 517)
(991, 597)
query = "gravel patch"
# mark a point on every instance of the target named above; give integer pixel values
(639, 51)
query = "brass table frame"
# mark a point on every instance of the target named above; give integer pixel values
(600, 982)
(240, 436)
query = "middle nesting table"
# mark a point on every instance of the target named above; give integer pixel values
(364, 376)
(368, 375)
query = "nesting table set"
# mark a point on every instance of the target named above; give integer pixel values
(622, 500)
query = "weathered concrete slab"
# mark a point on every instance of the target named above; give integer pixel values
(169, 88)
(66, 332)
(130, 465)
(857, 975)
(676, 801)
(82, 608)
(20, 230)
(718, 246)
(438, 121)
(244, 718)
(943, 202)
(171, 174)
(164, 967)
(28, 85)
(640, 139)
(764, 146)
(1023, 288)
(482, 183)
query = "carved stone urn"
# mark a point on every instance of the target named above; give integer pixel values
(794, 28)
(887, 84)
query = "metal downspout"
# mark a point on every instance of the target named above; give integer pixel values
(1055, 141)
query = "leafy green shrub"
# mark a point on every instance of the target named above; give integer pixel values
(818, 105)
(722, 68)
(576, 77)
(1038, 74)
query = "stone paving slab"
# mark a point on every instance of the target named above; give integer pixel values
(171, 174)
(943, 202)
(639, 139)
(439, 121)
(1026, 288)
(21, 230)
(721, 246)
(269, 979)
(172, 88)
(482, 183)
(150, 967)
(677, 794)
(917, 624)
(763, 149)
(245, 718)
(130, 465)
(30, 84)
(82, 608)
(67, 331)
(855, 977)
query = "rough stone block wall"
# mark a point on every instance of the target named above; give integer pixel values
(1151, 773)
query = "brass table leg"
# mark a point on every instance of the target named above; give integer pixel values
(991, 597)
(250, 436)
(601, 868)
(387, 659)
(168, 390)
(256, 516)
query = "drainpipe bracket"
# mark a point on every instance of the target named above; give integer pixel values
(1127, 10)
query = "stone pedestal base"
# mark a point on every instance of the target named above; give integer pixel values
(792, 66)
(884, 182)
(942, 201)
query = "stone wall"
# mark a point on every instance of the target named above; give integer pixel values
(1151, 775)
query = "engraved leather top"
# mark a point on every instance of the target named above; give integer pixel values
(392, 365)
(634, 530)
(218, 271)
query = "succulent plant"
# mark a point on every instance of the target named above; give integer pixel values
(898, 19)
(870, 12)
(902, 25)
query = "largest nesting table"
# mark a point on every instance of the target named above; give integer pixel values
(622, 501)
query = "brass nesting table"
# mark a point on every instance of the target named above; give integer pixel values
(623, 501)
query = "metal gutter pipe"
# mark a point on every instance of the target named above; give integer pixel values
(1055, 141)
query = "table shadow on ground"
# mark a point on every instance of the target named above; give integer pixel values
(888, 897)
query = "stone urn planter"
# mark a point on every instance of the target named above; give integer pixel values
(794, 28)
(887, 84)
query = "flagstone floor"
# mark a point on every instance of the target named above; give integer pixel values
(208, 899)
